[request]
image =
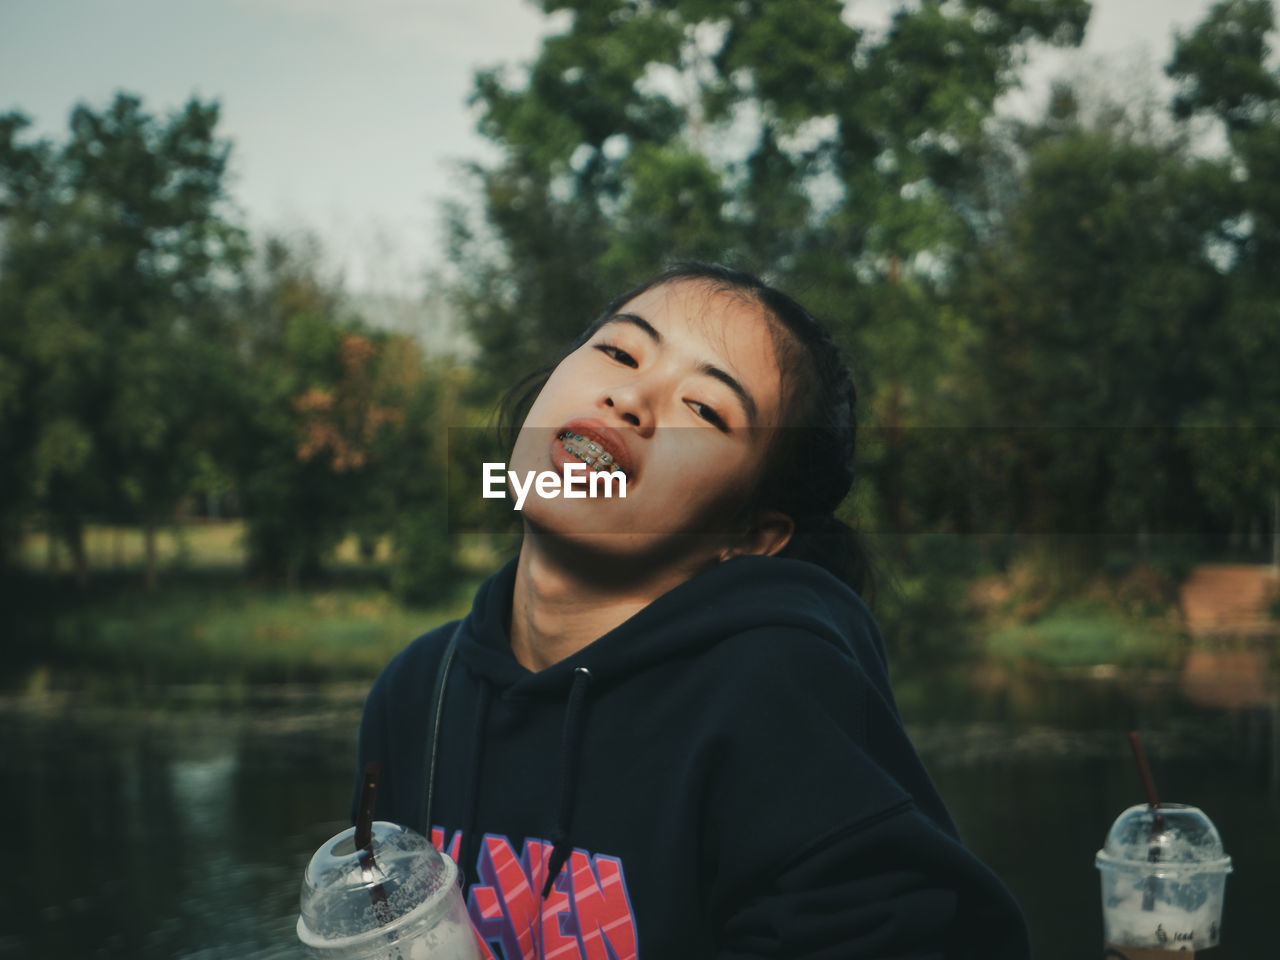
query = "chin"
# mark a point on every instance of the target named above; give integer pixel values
(593, 524)
(629, 555)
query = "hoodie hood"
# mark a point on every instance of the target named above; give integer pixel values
(738, 595)
(743, 593)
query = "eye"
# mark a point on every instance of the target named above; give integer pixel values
(620, 355)
(708, 414)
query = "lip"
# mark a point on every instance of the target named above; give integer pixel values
(610, 439)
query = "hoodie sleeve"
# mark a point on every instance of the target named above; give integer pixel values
(835, 843)
(897, 887)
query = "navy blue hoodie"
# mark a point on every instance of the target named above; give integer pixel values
(725, 774)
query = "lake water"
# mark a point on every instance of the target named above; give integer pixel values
(183, 832)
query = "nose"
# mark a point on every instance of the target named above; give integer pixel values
(630, 402)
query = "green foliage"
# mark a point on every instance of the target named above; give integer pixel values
(425, 566)
(1096, 300)
(1222, 65)
(921, 601)
(1085, 634)
(764, 134)
(115, 246)
(1223, 71)
(412, 485)
(1043, 317)
(289, 343)
(202, 630)
(144, 359)
(674, 192)
(336, 428)
(1065, 326)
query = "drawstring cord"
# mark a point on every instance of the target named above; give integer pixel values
(434, 717)
(570, 748)
(473, 788)
(561, 844)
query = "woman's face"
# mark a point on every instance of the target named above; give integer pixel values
(680, 388)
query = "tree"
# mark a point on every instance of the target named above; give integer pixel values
(334, 428)
(294, 496)
(1094, 298)
(115, 244)
(1223, 70)
(841, 160)
(26, 196)
(766, 134)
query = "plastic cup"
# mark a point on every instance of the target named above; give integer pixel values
(403, 903)
(1162, 884)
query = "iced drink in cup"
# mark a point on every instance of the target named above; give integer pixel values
(1163, 874)
(396, 898)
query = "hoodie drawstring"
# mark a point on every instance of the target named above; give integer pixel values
(477, 760)
(570, 747)
(434, 716)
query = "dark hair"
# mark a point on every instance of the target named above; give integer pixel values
(808, 468)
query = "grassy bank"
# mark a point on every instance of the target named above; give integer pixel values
(1034, 614)
(207, 630)
(192, 546)
(1088, 632)
(1032, 603)
(207, 623)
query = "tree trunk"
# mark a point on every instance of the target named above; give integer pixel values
(79, 557)
(1275, 529)
(895, 504)
(149, 549)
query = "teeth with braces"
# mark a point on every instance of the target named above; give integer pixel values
(589, 452)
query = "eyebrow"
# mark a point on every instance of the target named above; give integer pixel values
(708, 369)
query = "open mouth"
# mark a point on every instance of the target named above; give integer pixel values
(590, 452)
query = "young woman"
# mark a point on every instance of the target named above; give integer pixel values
(665, 729)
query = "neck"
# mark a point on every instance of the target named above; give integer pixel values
(566, 598)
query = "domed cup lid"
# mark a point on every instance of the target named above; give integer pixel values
(347, 894)
(1171, 840)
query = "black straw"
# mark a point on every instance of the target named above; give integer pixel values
(1157, 821)
(364, 814)
(364, 840)
(1148, 781)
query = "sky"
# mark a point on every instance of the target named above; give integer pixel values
(349, 117)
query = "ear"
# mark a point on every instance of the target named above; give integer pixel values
(768, 534)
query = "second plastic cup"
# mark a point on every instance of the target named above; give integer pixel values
(1162, 883)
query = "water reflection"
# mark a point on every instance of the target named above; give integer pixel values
(184, 833)
(1036, 782)
(151, 834)
(1228, 678)
(1240, 681)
